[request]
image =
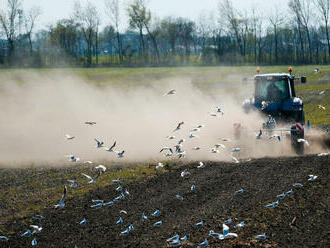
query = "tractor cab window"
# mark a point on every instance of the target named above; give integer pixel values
(272, 90)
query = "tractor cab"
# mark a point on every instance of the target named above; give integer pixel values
(275, 95)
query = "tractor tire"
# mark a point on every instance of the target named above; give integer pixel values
(298, 147)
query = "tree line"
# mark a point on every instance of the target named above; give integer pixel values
(299, 34)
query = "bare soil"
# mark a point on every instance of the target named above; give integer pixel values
(301, 220)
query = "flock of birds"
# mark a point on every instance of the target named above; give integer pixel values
(178, 149)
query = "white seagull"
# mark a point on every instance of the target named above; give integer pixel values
(110, 149)
(61, 203)
(69, 137)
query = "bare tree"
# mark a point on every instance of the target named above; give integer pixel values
(113, 12)
(302, 10)
(324, 9)
(276, 20)
(9, 23)
(29, 23)
(225, 8)
(88, 18)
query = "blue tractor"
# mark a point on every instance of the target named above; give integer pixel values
(275, 96)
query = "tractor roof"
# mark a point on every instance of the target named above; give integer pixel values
(274, 76)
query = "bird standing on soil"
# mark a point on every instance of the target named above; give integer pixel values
(261, 236)
(201, 165)
(312, 178)
(27, 234)
(240, 225)
(157, 224)
(156, 213)
(36, 229)
(73, 183)
(120, 221)
(61, 203)
(203, 244)
(83, 222)
(101, 168)
(200, 224)
(160, 165)
(4, 238)
(321, 107)
(34, 242)
(273, 204)
(185, 173)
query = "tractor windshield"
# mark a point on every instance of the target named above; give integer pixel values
(272, 90)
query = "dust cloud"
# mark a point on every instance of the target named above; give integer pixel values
(39, 108)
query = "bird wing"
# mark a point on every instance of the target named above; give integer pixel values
(113, 146)
(64, 194)
(89, 177)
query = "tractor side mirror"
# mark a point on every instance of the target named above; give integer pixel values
(303, 79)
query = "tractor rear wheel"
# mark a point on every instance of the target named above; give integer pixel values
(298, 147)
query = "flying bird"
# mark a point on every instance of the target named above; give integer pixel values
(171, 92)
(182, 154)
(61, 203)
(170, 137)
(120, 154)
(220, 145)
(69, 137)
(322, 92)
(99, 144)
(219, 110)
(297, 185)
(235, 159)
(166, 149)
(91, 180)
(178, 126)
(191, 136)
(236, 149)
(195, 130)
(303, 141)
(73, 158)
(91, 123)
(181, 141)
(259, 135)
(214, 150)
(228, 221)
(110, 149)
(36, 229)
(197, 148)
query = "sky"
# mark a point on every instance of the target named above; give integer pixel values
(53, 10)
